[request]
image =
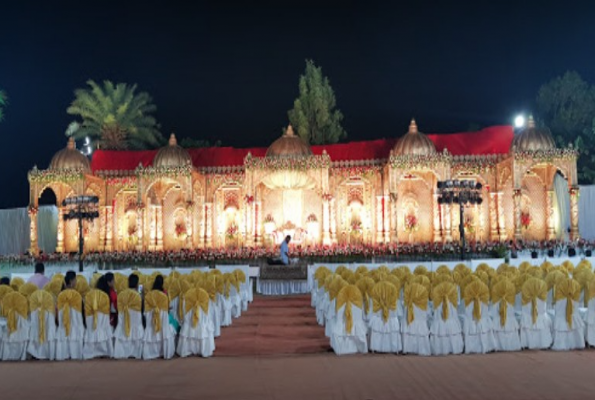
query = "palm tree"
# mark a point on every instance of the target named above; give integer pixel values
(114, 117)
(3, 103)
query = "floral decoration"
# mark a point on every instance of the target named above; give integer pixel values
(356, 226)
(248, 199)
(411, 224)
(49, 175)
(288, 163)
(469, 224)
(231, 231)
(269, 219)
(525, 220)
(180, 231)
(312, 218)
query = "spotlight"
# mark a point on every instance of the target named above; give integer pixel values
(519, 121)
(478, 186)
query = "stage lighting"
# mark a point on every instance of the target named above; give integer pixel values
(519, 121)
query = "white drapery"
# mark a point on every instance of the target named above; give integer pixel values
(586, 219)
(561, 207)
(14, 237)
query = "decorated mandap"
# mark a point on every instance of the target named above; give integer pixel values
(366, 192)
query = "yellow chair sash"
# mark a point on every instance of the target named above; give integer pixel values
(42, 302)
(96, 301)
(336, 285)
(415, 295)
(444, 294)
(128, 300)
(504, 292)
(27, 289)
(384, 298)
(570, 290)
(68, 299)
(365, 286)
(478, 293)
(4, 290)
(590, 292)
(240, 277)
(194, 300)
(534, 289)
(349, 296)
(156, 302)
(16, 283)
(13, 305)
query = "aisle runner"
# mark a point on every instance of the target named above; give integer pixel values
(273, 326)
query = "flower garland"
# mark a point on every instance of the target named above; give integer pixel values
(546, 156)
(419, 161)
(156, 172)
(287, 163)
(359, 171)
(48, 175)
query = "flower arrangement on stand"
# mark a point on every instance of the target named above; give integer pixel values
(525, 220)
(469, 224)
(411, 225)
(231, 234)
(132, 235)
(181, 232)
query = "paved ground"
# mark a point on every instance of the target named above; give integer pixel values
(523, 375)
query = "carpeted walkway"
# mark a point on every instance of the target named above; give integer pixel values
(274, 326)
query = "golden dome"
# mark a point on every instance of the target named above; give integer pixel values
(414, 142)
(70, 159)
(289, 145)
(533, 139)
(172, 155)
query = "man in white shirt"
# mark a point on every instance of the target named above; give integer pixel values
(285, 250)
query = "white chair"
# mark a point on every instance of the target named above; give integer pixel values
(196, 336)
(385, 330)
(477, 324)
(244, 283)
(416, 333)
(71, 330)
(159, 340)
(590, 317)
(569, 328)
(446, 335)
(42, 319)
(536, 325)
(209, 286)
(98, 335)
(129, 333)
(348, 335)
(504, 323)
(16, 335)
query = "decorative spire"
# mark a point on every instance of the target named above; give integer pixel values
(71, 145)
(412, 126)
(289, 131)
(530, 122)
(172, 140)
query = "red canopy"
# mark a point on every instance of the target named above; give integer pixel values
(492, 140)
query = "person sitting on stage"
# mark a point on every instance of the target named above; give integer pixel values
(284, 256)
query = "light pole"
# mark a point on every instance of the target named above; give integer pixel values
(464, 193)
(81, 208)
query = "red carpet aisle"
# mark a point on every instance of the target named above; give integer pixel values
(273, 325)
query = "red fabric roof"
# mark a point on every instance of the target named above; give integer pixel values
(492, 140)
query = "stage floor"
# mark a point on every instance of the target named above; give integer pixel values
(523, 375)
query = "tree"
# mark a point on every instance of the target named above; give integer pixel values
(314, 115)
(566, 105)
(115, 117)
(191, 143)
(3, 103)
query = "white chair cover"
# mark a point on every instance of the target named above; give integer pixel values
(321, 305)
(71, 346)
(215, 316)
(590, 322)
(159, 344)
(98, 342)
(344, 342)
(479, 335)
(568, 337)
(385, 337)
(329, 317)
(173, 306)
(507, 337)
(47, 349)
(225, 307)
(416, 336)
(14, 345)
(236, 302)
(129, 346)
(538, 335)
(199, 339)
(446, 336)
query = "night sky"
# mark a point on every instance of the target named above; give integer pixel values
(230, 72)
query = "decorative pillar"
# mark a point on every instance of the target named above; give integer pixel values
(140, 225)
(102, 225)
(549, 201)
(258, 223)
(517, 195)
(326, 237)
(333, 218)
(446, 211)
(574, 196)
(386, 218)
(379, 220)
(34, 248)
(109, 224)
(159, 225)
(189, 227)
(454, 214)
(500, 215)
(208, 224)
(394, 217)
(493, 207)
(60, 244)
(151, 218)
(436, 214)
